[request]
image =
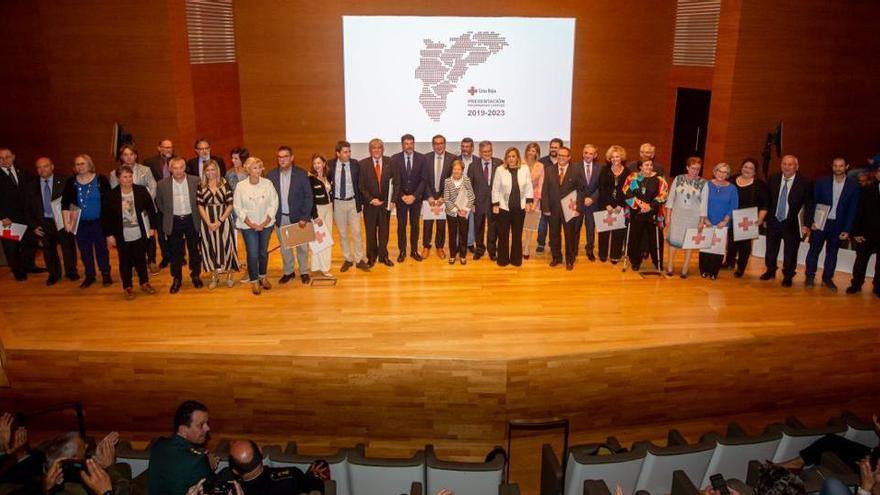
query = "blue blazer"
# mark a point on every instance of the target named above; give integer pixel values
(847, 205)
(299, 198)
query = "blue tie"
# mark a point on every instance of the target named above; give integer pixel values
(47, 199)
(408, 166)
(783, 201)
(341, 193)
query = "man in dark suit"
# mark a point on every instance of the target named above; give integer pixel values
(647, 151)
(159, 165)
(439, 168)
(482, 175)
(344, 174)
(13, 181)
(374, 184)
(195, 166)
(181, 222)
(549, 159)
(559, 181)
(841, 193)
(789, 192)
(591, 170)
(39, 195)
(409, 189)
(294, 206)
(866, 234)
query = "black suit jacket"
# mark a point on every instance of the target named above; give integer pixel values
(111, 212)
(408, 183)
(369, 186)
(155, 164)
(800, 195)
(431, 191)
(482, 189)
(552, 192)
(192, 166)
(867, 222)
(12, 195)
(355, 180)
(33, 198)
(591, 187)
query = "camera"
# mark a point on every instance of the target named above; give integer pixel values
(71, 470)
(217, 487)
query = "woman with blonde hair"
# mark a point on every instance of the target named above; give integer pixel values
(612, 198)
(512, 196)
(214, 199)
(536, 172)
(256, 202)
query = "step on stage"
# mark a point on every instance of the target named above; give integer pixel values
(428, 352)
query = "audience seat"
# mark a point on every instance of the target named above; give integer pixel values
(382, 476)
(732, 453)
(617, 469)
(474, 478)
(660, 462)
(856, 429)
(796, 437)
(138, 460)
(338, 462)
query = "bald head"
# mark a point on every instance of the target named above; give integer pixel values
(245, 459)
(45, 167)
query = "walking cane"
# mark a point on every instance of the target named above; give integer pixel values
(626, 247)
(657, 241)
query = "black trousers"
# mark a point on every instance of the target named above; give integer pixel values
(864, 250)
(611, 244)
(848, 451)
(558, 227)
(643, 232)
(778, 232)
(16, 255)
(183, 234)
(738, 252)
(439, 234)
(51, 240)
(458, 229)
(510, 229)
(485, 233)
(163, 243)
(408, 212)
(132, 255)
(710, 263)
(377, 222)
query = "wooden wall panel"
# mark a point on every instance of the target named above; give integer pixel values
(217, 106)
(290, 57)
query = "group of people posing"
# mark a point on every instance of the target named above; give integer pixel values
(486, 205)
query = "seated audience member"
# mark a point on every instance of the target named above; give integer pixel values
(180, 461)
(101, 475)
(866, 235)
(246, 467)
(20, 466)
(848, 451)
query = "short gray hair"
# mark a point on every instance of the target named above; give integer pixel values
(64, 446)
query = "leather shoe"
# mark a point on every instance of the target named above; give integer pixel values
(786, 282)
(345, 266)
(387, 262)
(569, 266)
(148, 289)
(852, 289)
(492, 257)
(286, 278)
(73, 277)
(591, 256)
(52, 281)
(768, 275)
(129, 294)
(809, 283)
(555, 263)
(106, 280)
(87, 283)
(478, 256)
(164, 264)
(305, 278)
(416, 256)
(175, 286)
(738, 274)
(362, 266)
(197, 283)
(830, 285)
(539, 249)
(401, 257)
(471, 249)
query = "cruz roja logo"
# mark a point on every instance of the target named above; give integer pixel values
(484, 91)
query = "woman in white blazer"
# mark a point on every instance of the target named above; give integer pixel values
(255, 202)
(512, 197)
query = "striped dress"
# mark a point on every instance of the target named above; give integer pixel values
(218, 247)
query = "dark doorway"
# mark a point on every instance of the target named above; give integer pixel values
(689, 133)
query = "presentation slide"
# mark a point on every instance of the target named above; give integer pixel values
(506, 79)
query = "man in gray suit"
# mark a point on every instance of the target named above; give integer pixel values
(439, 168)
(181, 222)
(591, 170)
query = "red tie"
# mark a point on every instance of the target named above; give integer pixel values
(561, 175)
(378, 170)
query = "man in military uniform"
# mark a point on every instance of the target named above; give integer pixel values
(179, 462)
(246, 466)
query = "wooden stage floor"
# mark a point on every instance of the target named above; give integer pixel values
(427, 352)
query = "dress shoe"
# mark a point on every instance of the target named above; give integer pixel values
(477, 256)
(154, 268)
(305, 278)
(525, 256)
(713, 277)
(386, 262)
(603, 260)
(877, 292)
(451, 261)
(362, 266)
(52, 281)
(264, 283)
(738, 274)
(591, 256)
(809, 283)
(539, 249)
(768, 275)
(197, 283)
(148, 289)
(20, 277)
(471, 249)
(401, 257)
(683, 276)
(555, 263)
(786, 282)
(441, 253)
(416, 256)
(614, 262)
(830, 285)
(73, 277)
(175, 286)
(164, 264)
(462, 260)
(87, 283)
(345, 266)
(128, 294)
(493, 257)
(286, 278)
(106, 280)
(569, 266)
(256, 289)
(852, 289)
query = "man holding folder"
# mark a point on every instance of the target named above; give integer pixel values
(563, 184)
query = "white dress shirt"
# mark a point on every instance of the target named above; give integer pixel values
(255, 201)
(181, 197)
(836, 191)
(781, 185)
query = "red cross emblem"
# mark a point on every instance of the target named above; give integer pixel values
(698, 239)
(437, 209)
(610, 218)
(715, 239)
(746, 223)
(319, 236)
(572, 205)
(472, 91)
